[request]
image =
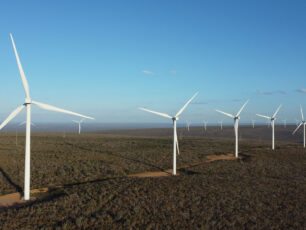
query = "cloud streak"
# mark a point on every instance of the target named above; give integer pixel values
(147, 72)
(173, 72)
(301, 90)
(261, 92)
(199, 103)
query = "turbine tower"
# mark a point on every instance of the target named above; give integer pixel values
(205, 125)
(236, 120)
(174, 119)
(221, 124)
(79, 123)
(272, 119)
(27, 104)
(187, 125)
(303, 122)
(285, 123)
(253, 123)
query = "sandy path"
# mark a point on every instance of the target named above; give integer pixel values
(15, 199)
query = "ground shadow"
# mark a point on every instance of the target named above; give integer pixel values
(16, 186)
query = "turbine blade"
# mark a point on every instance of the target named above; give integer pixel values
(242, 108)
(22, 75)
(21, 123)
(263, 116)
(302, 112)
(157, 113)
(184, 107)
(11, 116)
(274, 115)
(297, 128)
(53, 108)
(227, 114)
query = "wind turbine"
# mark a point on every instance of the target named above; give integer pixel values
(221, 123)
(272, 119)
(79, 122)
(205, 124)
(187, 125)
(174, 119)
(236, 120)
(285, 123)
(253, 123)
(27, 104)
(303, 122)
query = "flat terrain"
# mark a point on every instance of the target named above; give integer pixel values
(263, 190)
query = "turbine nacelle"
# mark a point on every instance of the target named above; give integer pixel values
(27, 101)
(175, 118)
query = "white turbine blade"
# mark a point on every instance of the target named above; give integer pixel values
(12, 115)
(22, 75)
(274, 115)
(157, 113)
(227, 114)
(177, 145)
(302, 112)
(21, 123)
(184, 107)
(263, 116)
(297, 128)
(53, 108)
(242, 108)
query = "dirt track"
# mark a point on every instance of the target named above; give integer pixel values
(15, 199)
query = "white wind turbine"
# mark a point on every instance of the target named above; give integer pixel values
(174, 119)
(236, 120)
(79, 123)
(221, 124)
(303, 122)
(205, 125)
(285, 123)
(272, 119)
(27, 104)
(253, 123)
(187, 125)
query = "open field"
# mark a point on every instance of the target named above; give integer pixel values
(264, 190)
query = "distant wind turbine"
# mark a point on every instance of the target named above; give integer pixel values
(205, 124)
(187, 125)
(272, 119)
(221, 124)
(303, 122)
(285, 123)
(174, 119)
(253, 123)
(79, 123)
(236, 120)
(27, 104)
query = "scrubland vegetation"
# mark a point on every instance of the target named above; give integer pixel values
(264, 190)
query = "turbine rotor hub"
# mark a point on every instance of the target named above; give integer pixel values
(175, 118)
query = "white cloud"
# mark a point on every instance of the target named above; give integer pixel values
(147, 72)
(173, 72)
(301, 90)
(271, 92)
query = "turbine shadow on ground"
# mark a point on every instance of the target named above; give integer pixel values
(9, 180)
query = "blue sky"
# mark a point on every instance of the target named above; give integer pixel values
(106, 58)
